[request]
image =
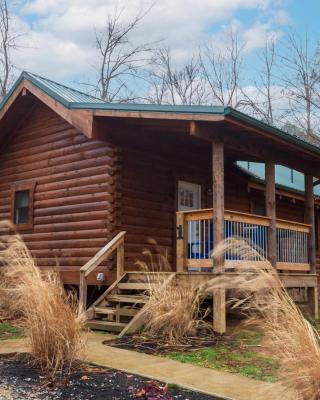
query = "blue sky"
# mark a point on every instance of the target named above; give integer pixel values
(59, 41)
(305, 15)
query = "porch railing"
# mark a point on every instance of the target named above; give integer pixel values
(195, 239)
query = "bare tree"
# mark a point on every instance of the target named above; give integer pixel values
(260, 99)
(222, 70)
(301, 77)
(175, 84)
(120, 60)
(7, 44)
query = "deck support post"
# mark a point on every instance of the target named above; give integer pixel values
(271, 211)
(219, 294)
(83, 288)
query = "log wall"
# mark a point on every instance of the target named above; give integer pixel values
(151, 168)
(74, 192)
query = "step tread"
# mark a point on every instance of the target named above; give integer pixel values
(113, 311)
(127, 298)
(136, 285)
(105, 325)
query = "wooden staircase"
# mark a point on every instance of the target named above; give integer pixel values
(120, 308)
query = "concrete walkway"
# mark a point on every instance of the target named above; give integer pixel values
(217, 383)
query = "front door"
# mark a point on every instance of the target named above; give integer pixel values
(189, 198)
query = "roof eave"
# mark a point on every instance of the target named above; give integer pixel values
(231, 112)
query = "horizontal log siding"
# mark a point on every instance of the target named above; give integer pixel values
(151, 168)
(74, 194)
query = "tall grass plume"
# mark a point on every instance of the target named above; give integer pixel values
(172, 313)
(261, 295)
(47, 313)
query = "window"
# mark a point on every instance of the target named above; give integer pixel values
(258, 209)
(189, 196)
(22, 205)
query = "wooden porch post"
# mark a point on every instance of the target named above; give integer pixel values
(219, 295)
(309, 219)
(271, 211)
(181, 241)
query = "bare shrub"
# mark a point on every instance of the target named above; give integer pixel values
(262, 296)
(48, 315)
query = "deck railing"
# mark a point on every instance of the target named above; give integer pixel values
(195, 239)
(292, 245)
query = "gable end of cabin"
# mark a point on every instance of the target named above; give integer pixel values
(71, 213)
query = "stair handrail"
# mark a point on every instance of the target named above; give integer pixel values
(115, 244)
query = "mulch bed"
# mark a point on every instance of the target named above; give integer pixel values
(154, 347)
(20, 381)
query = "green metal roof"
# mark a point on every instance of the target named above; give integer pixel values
(74, 99)
(286, 178)
(68, 94)
(63, 94)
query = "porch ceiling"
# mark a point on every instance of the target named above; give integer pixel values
(241, 142)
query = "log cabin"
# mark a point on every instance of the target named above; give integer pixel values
(91, 186)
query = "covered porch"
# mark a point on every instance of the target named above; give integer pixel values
(289, 246)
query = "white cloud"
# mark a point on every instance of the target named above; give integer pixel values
(49, 56)
(281, 17)
(60, 37)
(255, 37)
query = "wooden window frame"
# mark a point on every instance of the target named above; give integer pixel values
(30, 186)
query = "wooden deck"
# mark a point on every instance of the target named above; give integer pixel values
(120, 307)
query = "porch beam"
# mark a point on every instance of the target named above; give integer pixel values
(310, 220)
(271, 211)
(250, 147)
(219, 294)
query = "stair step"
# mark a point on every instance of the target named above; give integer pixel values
(128, 312)
(105, 325)
(127, 299)
(136, 285)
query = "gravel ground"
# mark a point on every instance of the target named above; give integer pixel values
(19, 381)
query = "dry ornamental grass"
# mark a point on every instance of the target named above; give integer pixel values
(172, 314)
(262, 297)
(257, 292)
(48, 315)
